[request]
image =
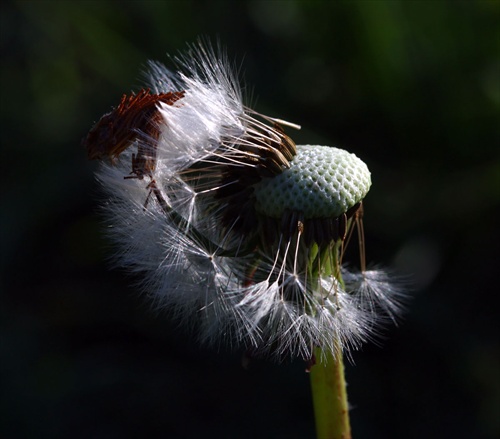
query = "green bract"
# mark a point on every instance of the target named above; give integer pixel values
(322, 182)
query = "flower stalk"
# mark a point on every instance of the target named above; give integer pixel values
(329, 395)
(328, 385)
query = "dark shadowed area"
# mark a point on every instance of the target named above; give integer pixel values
(411, 87)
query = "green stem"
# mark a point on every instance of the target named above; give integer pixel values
(330, 396)
(328, 384)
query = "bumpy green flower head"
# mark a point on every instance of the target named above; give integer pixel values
(322, 182)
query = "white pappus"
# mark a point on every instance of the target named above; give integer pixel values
(233, 228)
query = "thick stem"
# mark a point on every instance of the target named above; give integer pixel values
(330, 396)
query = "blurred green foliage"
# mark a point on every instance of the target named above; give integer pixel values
(412, 87)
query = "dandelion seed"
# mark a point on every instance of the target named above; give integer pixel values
(234, 228)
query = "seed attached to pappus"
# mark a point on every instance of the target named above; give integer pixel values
(136, 118)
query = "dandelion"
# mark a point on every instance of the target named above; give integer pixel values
(233, 228)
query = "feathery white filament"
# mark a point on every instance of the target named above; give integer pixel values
(172, 226)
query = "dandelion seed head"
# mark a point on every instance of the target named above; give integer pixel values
(233, 229)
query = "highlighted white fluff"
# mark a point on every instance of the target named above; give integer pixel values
(217, 266)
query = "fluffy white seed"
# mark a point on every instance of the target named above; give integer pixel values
(171, 228)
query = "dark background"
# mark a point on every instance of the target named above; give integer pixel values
(411, 87)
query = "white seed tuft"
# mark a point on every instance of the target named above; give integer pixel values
(195, 224)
